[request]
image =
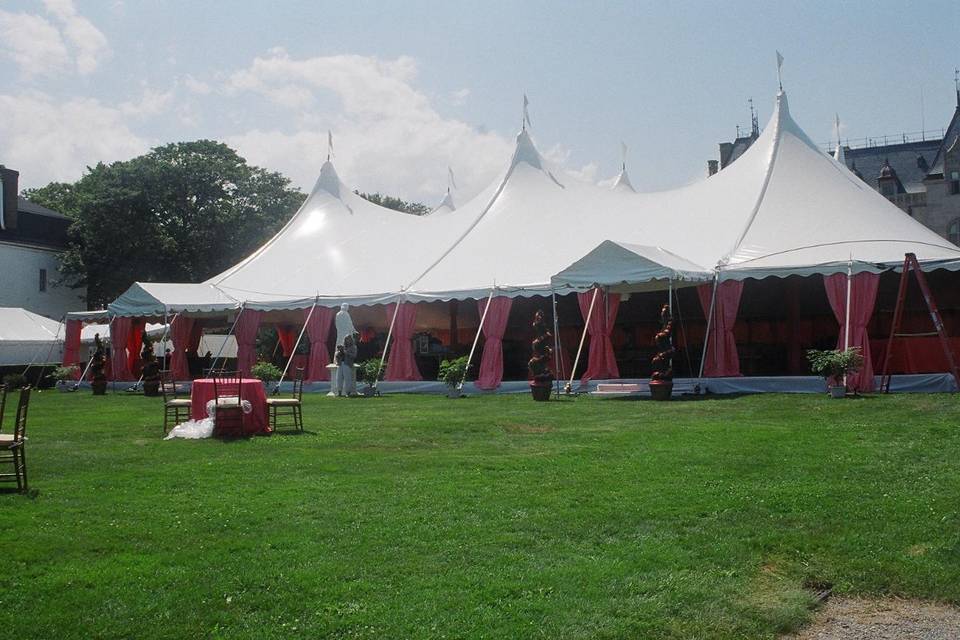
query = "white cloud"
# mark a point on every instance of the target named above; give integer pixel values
(388, 136)
(151, 103)
(196, 86)
(33, 43)
(49, 140)
(41, 47)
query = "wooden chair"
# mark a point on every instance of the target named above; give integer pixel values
(291, 407)
(13, 445)
(175, 408)
(3, 403)
(228, 414)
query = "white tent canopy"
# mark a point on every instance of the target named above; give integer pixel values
(782, 208)
(630, 267)
(27, 338)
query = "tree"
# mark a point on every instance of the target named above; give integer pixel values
(416, 208)
(181, 213)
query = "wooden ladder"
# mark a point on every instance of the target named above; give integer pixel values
(910, 264)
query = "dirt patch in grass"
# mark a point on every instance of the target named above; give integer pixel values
(885, 619)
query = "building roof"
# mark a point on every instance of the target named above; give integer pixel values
(910, 161)
(26, 206)
(949, 140)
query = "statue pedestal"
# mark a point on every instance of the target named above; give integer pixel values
(335, 374)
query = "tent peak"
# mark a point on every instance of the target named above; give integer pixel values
(623, 181)
(526, 152)
(446, 204)
(328, 181)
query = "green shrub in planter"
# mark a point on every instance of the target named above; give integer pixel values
(452, 371)
(15, 380)
(367, 371)
(267, 372)
(834, 364)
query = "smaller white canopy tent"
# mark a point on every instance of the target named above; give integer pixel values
(627, 267)
(223, 346)
(27, 338)
(157, 299)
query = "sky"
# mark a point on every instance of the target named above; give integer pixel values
(411, 88)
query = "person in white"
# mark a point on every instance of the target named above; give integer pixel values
(344, 325)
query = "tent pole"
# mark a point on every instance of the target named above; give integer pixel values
(556, 342)
(383, 357)
(229, 333)
(846, 321)
(166, 328)
(476, 338)
(706, 337)
(568, 388)
(293, 351)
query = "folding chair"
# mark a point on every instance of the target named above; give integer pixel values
(228, 414)
(291, 407)
(175, 408)
(13, 445)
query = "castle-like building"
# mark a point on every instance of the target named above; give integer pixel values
(922, 177)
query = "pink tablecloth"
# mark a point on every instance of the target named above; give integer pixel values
(251, 390)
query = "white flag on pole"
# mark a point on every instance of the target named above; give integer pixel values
(623, 153)
(453, 182)
(779, 66)
(329, 143)
(526, 113)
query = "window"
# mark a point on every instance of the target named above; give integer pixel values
(43, 280)
(955, 183)
(953, 231)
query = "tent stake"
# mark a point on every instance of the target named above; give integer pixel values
(383, 357)
(568, 388)
(293, 352)
(476, 339)
(706, 337)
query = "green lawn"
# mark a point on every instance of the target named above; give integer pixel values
(493, 517)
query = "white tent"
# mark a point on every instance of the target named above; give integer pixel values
(630, 267)
(782, 208)
(27, 338)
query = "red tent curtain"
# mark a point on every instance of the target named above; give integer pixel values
(134, 344)
(722, 358)
(287, 339)
(602, 363)
(245, 331)
(119, 336)
(71, 346)
(863, 296)
(193, 342)
(318, 329)
(494, 326)
(181, 332)
(401, 364)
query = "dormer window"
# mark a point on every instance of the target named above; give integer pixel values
(955, 183)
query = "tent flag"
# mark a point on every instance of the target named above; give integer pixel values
(779, 67)
(526, 113)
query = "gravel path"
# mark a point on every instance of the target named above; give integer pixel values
(861, 619)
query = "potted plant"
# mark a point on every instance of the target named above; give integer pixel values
(661, 380)
(15, 381)
(541, 375)
(63, 375)
(834, 365)
(370, 373)
(266, 372)
(452, 373)
(149, 368)
(98, 367)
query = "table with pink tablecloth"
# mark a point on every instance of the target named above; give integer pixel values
(251, 390)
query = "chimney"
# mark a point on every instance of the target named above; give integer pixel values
(711, 167)
(8, 213)
(726, 150)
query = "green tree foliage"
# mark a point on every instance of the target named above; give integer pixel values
(416, 208)
(181, 213)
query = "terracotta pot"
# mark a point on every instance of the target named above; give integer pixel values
(838, 391)
(99, 387)
(661, 389)
(151, 388)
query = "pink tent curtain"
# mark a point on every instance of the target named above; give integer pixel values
(863, 296)
(494, 326)
(722, 358)
(401, 364)
(134, 344)
(194, 341)
(287, 339)
(181, 332)
(245, 331)
(601, 363)
(71, 346)
(318, 329)
(119, 336)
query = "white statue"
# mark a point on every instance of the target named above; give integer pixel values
(344, 324)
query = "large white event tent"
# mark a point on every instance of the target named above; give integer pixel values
(27, 338)
(783, 208)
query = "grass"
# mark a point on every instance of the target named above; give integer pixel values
(488, 517)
